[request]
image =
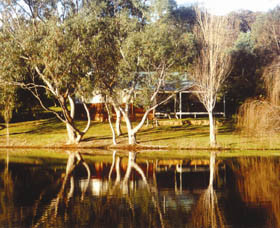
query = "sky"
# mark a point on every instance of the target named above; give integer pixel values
(221, 7)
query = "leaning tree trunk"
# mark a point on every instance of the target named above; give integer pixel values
(132, 131)
(71, 134)
(74, 134)
(212, 130)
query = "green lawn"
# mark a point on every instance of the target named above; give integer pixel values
(52, 133)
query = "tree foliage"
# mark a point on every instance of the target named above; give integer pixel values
(60, 57)
(148, 53)
(126, 49)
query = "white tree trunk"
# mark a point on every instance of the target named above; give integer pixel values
(131, 137)
(130, 131)
(212, 168)
(131, 159)
(110, 123)
(118, 123)
(74, 134)
(113, 165)
(118, 172)
(72, 138)
(212, 131)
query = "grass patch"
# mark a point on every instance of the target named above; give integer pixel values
(52, 133)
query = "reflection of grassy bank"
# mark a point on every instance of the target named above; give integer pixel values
(51, 133)
(41, 156)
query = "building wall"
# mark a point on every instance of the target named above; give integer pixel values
(98, 112)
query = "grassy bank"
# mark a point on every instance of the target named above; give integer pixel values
(52, 133)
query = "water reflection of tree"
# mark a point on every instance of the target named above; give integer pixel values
(20, 185)
(7, 195)
(120, 200)
(207, 212)
(123, 185)
(258, 182)
(49, 215)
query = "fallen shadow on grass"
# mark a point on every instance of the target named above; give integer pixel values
(42, 127)
(51, 125)
(185, 133)
(89, 139)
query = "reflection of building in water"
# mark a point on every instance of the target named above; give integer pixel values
(178, 174)
(101, 169)
(182, 166)
(99, 187)
(96, 186)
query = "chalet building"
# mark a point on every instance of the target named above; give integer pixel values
(98, 111)
(183, 104)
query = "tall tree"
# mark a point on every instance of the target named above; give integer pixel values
(58, 56)
(148, 53)
(213, 62)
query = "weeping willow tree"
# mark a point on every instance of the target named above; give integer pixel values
(262, 116)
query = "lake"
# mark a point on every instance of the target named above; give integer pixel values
(128, 189)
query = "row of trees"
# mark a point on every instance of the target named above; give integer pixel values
(68, 50)
(64, 49)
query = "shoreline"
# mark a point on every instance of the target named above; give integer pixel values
(138, 148)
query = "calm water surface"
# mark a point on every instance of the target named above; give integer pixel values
(128, 190)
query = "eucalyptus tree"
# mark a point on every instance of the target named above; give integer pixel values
(149, 51)
(57, 54)
(213, 62)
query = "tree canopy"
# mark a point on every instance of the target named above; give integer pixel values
(66, 50)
